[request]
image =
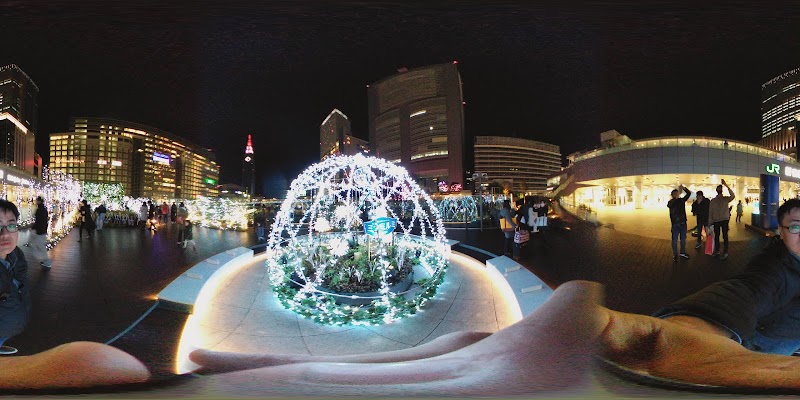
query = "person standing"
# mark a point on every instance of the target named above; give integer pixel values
(508, 226)
(164, 212)
(677, 216)
(719, 215)
(173, 212)
(86, 220)
(188, 235)
(739, 211)
(39, 240)
(183, 214)
(143, 215)
(260, 220)
(14, 296)
(700, 210)
(101, 215)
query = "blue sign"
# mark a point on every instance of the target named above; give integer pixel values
(382, 226)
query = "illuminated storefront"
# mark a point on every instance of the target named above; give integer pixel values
(642, 173)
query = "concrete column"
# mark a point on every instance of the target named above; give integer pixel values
(638, 195)
(739, 191)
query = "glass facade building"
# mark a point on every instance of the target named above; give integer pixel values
(520, 164)
(147, 162)
(416, 119)
(19, 114)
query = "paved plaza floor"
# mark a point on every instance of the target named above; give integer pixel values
(99, 287)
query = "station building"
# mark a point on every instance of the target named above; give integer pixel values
(642, 173)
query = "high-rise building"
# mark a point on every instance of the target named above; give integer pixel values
(780, 112)
(336, 138)
(148, 162)
(249, 168)
(18, 119)
(520, 164)
(416, 119)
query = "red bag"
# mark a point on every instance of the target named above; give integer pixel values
(710, 242)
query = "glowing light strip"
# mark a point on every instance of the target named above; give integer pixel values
(335, 110)
(420, 112)
(14, 121)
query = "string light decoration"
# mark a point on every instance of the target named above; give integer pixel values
(110, 193)
(457, 208)
(220, 213)
(356, 241)
(61, 193)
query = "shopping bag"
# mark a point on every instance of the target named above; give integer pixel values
(521, 236)
(710, 242)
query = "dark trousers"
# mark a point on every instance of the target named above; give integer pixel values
(85, 226)
(723, 227)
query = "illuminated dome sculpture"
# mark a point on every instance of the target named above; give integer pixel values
(356, 242)
(458, 208)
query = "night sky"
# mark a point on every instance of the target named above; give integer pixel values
(560, 74)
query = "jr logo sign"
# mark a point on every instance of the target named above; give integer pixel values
(774, 169)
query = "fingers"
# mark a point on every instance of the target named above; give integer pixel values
(77, 364)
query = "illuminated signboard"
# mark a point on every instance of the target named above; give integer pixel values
(210, 181)
(380, 226)
(774, 169)
(161, 158)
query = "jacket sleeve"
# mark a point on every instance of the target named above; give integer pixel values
(739, 302)
(687, 195)
(21, 268)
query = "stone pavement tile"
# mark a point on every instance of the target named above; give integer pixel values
(268, 323)
(310, 328)
(237, 297)
(243, 343)
(223, 317)
(266, 300)
(436, 307)
(411, 330)
(211, 337)
(475, 290)
(471, 310)
(341, 343)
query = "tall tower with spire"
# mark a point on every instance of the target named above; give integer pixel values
(249, 168)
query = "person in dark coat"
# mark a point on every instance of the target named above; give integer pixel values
(15, 301)
(87, 222)
(173, 212)
(39, 240)
(700, 209)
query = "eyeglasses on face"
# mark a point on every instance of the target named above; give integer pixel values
(13, 227)
(792, 228)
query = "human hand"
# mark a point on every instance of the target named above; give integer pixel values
(72, 365)
(666, 349)
(723, 182)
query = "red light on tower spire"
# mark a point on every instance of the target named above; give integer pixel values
(249, 148)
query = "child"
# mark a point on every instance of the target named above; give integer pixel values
(188, 235)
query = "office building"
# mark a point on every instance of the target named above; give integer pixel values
(335, 137)
(780, 112)
(147, 161)
(18, 119)
(416, 119)
(520, 165)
